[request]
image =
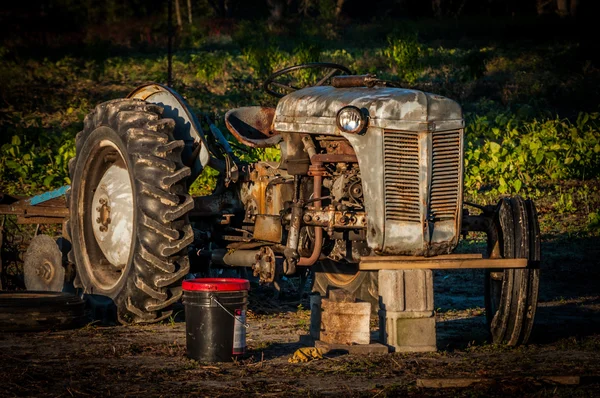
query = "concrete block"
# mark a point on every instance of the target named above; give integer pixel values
(407, 334)
(406, 316)
(406, 290)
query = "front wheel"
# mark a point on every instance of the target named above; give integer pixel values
(511, 295)
(128, 210)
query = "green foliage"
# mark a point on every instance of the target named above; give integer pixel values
(403, 56)
(206, 182)
(209, 65)
(263, 59)
(565, 204)
(506, 155)
(594, 221)
(306, 54)
(327, 9)
(30, 165)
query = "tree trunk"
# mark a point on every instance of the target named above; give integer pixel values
(338, 8)
(573, 8)
(276, 10)
(436, 6)
(189, 4)
(178, 13)
(304, 7)
(562, 8)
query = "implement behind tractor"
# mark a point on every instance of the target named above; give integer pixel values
(370, 179)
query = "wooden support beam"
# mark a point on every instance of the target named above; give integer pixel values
(448, 261)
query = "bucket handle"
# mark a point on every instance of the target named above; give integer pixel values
(212, 297)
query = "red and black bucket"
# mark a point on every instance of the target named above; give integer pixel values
(215, 318)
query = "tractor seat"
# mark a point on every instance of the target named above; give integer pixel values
(251, 126)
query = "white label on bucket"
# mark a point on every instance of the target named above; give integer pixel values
(239, 332)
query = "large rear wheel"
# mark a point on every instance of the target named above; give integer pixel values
(511, 295)
(128, 210)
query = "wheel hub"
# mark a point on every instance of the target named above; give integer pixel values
(103, 214)
(45, 271)
(113, 226)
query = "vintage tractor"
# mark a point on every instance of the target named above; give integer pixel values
(370, 178)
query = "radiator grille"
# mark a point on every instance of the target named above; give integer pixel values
(401, 160)
(445, 177)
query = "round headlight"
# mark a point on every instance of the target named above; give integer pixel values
(351, 120)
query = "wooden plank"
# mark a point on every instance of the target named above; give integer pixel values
(460, 256)
(451, 382)
(468, 382)
(428, 263)
(35, 211)
(40, 220)
(565, 380)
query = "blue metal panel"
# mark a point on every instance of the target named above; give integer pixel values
(46, 196)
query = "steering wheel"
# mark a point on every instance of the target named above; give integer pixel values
(270, 82)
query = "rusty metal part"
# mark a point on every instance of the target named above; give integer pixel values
(265, 265)
(267, 190)
(318, 238)
(367, 80)
(309, 145)
(103, 211)
(236, 238)
(333, 158)
(234, 258)
(42, 265)
(317, 171)
(449, 261)
(335, 219)
(337, 146)
(251, 126)
(268, 228)
(291, 248)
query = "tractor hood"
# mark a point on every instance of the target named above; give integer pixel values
(314, 109)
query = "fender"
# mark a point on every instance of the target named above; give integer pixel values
(187, 126)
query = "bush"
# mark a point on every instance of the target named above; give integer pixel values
(403, 57)
(509, 156)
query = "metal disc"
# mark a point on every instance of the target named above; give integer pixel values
(42, 268)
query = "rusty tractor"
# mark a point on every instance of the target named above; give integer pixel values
(370, 178)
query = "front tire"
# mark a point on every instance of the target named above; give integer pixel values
(128, 210)
(511, 295)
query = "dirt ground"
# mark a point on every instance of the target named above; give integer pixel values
(150, 360)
